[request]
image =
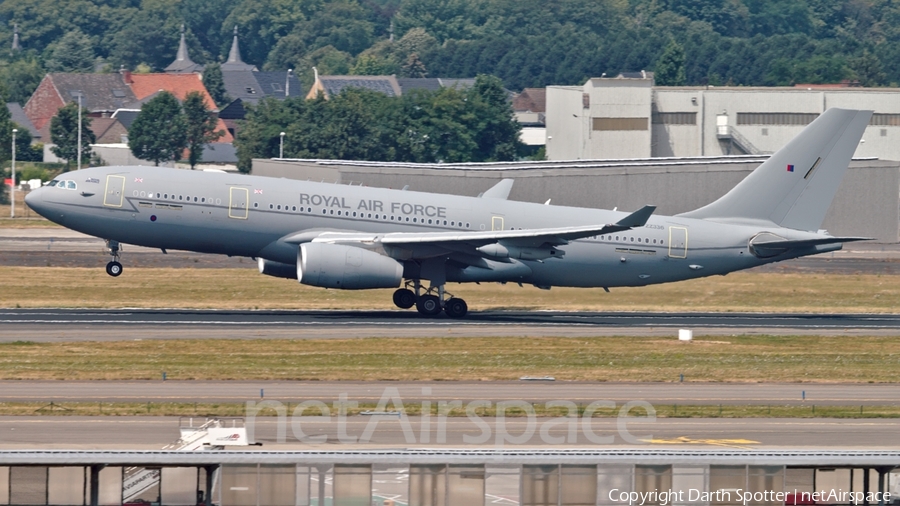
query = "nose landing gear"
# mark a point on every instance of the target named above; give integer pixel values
(431, 302)
(113, 268)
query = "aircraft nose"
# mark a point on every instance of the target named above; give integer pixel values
(35, 199)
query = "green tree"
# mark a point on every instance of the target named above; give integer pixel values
(286, 54)
(64, 134)
(159, 132)
(6, 126)
(74, 52)
(259, 135)
(22, 77)
(670, 66)
(493, 122)
(371, 65)
(201, 126)
(868, 69)
(215, 84)
(414, 67)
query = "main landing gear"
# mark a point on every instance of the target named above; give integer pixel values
(113, 268)
(430, 303)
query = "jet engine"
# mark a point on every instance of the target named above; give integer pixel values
(346, 267)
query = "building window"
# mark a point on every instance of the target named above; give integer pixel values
(613, 124)
(775, 118)
(674, 118)
(885, 120)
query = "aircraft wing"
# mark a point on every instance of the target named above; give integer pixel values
(456, 240)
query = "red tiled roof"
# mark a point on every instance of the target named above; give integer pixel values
(531, 99)
(144, 85)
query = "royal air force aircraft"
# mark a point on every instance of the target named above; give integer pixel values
(352, 237)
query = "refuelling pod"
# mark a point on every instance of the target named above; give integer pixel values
(276, 269)
(346, 267)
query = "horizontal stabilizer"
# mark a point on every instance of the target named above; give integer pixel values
(803, 243)
(766, 245)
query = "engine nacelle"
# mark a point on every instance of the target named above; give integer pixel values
(276, 269)
(346, 267)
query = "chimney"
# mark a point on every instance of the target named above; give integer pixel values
(126, 76)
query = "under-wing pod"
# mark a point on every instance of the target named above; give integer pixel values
(346, 267)
(276, 269)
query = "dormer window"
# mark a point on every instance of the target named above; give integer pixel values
(250, 90)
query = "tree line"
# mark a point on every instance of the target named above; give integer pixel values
(527, 43)
(474, 124)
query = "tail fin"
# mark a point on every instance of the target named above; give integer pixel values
(796, 185)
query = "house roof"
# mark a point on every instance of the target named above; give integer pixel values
(456, 82)
(183, 63)
(415, 83)
(18, 116)
(531, 99)
(145, 85)
(126, 116)
(333, 85)
(219, 152)
(100, 92)
(250, 86)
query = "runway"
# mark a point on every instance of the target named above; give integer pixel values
(434, 391)
(43, 325)
(145, 432)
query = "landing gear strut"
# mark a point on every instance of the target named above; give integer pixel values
(431, 302)
(113, 268)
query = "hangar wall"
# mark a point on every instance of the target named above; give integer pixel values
(867, 203)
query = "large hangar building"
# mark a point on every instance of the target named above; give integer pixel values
(867, 203)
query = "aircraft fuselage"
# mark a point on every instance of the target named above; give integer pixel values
(241, 215)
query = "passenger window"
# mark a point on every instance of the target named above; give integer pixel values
(294, 208)
(195, 199)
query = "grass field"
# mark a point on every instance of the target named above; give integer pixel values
(247, 289)
(731, 359)
(413, 409)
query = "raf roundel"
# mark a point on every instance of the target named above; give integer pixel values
(153, 217)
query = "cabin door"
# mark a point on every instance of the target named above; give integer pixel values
(238, 203)
(678, 240)
(115, 191)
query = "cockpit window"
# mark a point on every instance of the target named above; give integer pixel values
(70, 185)
(52, 183)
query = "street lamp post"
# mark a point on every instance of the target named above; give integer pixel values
(281, 147)
(79, 131)
(12, 188)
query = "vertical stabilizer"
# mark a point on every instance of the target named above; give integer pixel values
(796, 185)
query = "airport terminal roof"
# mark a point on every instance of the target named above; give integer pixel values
(486, 456)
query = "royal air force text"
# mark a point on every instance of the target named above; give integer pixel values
(373, 206)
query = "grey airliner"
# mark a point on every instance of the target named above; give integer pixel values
(351, 237)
